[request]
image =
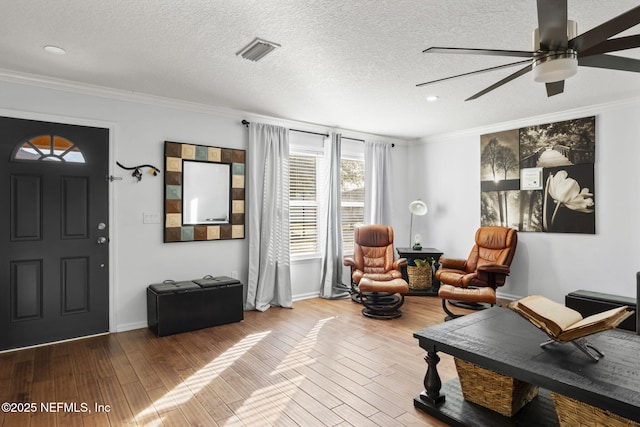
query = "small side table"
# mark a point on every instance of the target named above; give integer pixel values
(423, 253)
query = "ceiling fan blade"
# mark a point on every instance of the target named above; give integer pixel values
(613, 45)
(501, 82)
(489, 52)
(605, 30)
(552, 24)
(484, 70)
(555, 88)
(611, 62)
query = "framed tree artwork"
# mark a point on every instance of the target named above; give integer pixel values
(540, 178)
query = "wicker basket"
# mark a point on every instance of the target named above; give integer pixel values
(419, 277)
(572, 413)
(499, 393)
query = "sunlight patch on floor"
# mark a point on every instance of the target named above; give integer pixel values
(299, 356)
(268, 404)
(196, 382)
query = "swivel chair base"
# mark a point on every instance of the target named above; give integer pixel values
(470, 305)
(380, 298)
(382, 306)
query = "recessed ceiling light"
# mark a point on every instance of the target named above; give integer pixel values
(55, 50)
(432, 98)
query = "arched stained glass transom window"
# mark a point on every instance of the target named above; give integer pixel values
(48, 148)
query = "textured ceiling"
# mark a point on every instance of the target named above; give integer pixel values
(349, 64)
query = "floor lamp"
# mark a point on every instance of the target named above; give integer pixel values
(417, 207)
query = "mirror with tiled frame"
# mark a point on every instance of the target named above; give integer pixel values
(203, 192)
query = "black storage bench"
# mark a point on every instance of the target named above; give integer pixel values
(174, 307)
(588, 303)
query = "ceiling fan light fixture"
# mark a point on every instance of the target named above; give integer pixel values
(555, 66)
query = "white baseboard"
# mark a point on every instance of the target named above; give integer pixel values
(510, 297)
(131, 326)
(309, 295)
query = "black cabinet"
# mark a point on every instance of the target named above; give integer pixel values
(175, 307)
(423, 253)
(588, 303)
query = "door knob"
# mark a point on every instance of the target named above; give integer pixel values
(102, 240)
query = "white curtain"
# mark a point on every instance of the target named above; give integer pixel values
(377, 183)
(330, 242)
(269, 281)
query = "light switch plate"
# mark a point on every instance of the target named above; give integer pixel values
(150, 218)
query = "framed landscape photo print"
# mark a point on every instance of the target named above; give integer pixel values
(540, 178)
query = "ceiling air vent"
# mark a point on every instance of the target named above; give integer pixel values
(257, 49)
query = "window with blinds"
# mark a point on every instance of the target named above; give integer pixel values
(305, 173)
(352, 194)
(303, 203)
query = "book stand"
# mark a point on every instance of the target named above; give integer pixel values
(582, 344)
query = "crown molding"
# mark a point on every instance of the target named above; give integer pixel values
(534, 120)
(143, 98)
(117, 94)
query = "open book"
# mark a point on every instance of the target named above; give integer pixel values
(564, 324)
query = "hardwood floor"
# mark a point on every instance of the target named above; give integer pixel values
(319, 364)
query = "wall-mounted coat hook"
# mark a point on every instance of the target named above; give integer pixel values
(137, 173)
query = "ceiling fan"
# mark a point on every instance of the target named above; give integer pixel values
(558, 50)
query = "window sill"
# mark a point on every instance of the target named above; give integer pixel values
(297, 259)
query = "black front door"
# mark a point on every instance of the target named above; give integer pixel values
(54, 272)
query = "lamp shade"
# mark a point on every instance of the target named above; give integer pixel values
(418, 207)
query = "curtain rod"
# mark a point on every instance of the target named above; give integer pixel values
(353, 139)
(246, 124)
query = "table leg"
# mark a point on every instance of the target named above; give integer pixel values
(432, 382)
(436, 283)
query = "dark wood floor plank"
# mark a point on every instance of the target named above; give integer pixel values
(42, 369)
(196, 414)
(224, 390)
(162, 400)
(343, 394)
(123, 369)
(144, 371)
(22, 378)
(311, 388)
(141, 406)
(100, 361)
(42, 391)
(96, 419)
(174, 418)
(354, 417)
(313, 404)
(334, 367)
(120, 413)
(213, 404)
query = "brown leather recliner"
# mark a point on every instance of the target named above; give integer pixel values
(375, 275)
(475, 279)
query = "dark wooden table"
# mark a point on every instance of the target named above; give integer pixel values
(502, 341)
(423, 253)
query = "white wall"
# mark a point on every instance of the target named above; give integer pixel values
(552, 264)
(140, 125)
